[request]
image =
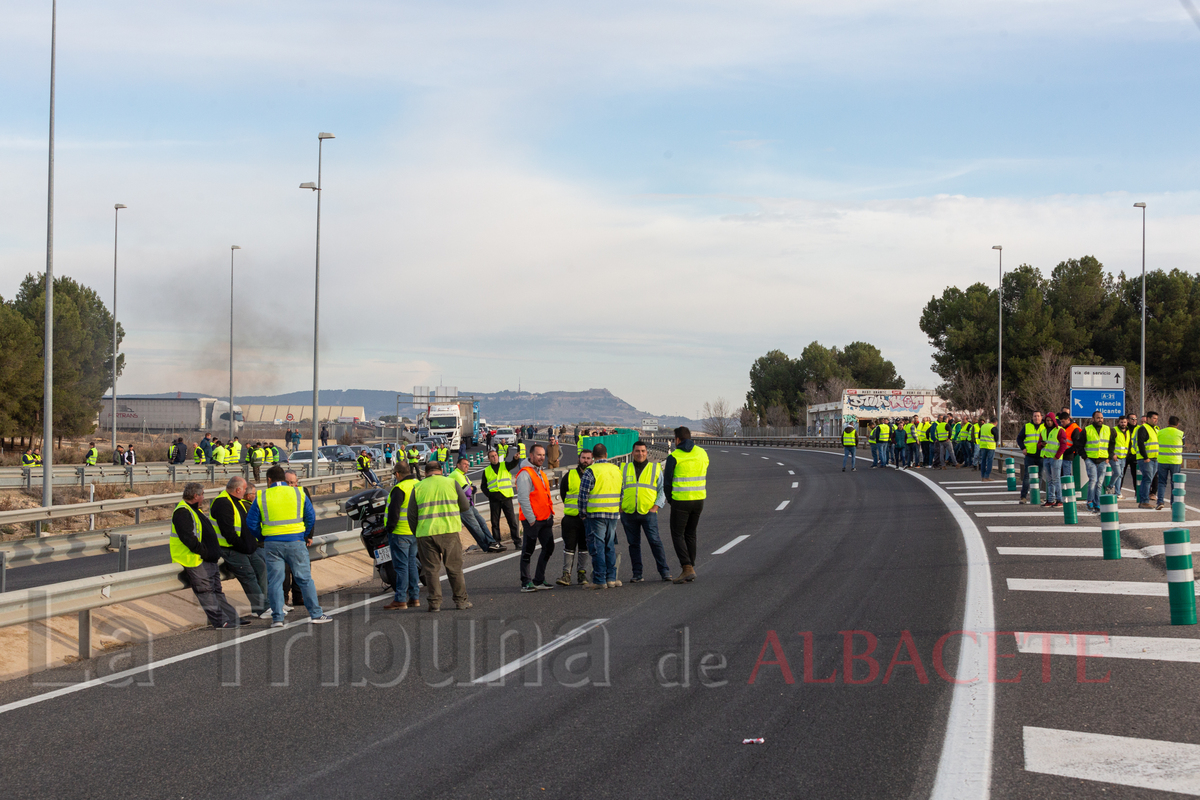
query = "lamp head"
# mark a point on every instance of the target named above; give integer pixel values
(325, 136)
(309, 185)
(119, 205)
(1139, 205)
(235, 247)
(997, 247)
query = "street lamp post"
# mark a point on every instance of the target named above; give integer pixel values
(48, 357)
(232, 247)
(1000, 351)
(1142, 381)
(116, 221)
(316, 187)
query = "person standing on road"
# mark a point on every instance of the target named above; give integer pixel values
(324, 436)
(283, 518)
(914, 443)
(1051, 453)
(987, 448)
(1122, 453)
(554, 453)
(849, 448)
(684, 481)
(1170, 459)
(884, 431)
(238, 547)
(600, 500)
(574, 532)
(1097, 452)
(402, 541)
(194, 546)
(435, 513)
(471, 517)
(873, 440)
(1077, 443)
(497, 486)
(642, 497)
(413, 455)
(899, 446)
(1030, 440)
(537, 518)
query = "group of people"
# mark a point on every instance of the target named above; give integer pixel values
(424, 517)
(926, 443)
(1152, 455)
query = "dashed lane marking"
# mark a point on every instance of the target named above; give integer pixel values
(764, 458)
(544, 650)
(783, 505)
(1148, 648)
(730, 545)
(780, 463)
(1121, 760)
(791, 472)
(795, 484)
(989, 502)
(992, 493)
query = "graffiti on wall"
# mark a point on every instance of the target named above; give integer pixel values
(876, 403)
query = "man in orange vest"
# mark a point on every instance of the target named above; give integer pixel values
(537, 518)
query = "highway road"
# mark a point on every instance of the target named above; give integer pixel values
(826, 620)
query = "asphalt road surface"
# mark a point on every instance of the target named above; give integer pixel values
(644, 690)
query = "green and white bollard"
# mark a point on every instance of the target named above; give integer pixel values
(1110, 527)
(1070, 512)
(1035, 495)
(1108, 482)
(1178, 498)
(1010, 473)
(1181, 581)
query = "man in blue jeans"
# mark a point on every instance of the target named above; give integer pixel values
(283, 517)
(600, 506)
(402, 542)
(641, 498)
(850, 447)
(873, 440)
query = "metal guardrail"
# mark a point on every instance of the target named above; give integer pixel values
(155, 472)
(82, 596)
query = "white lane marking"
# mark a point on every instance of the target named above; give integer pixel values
(764, 458)
(795, 484)
(1051, 513)
(1125, 526)
(1083, 552)
(992, 493)
(1148, 648)
(726, 548)
(960, 483)
(783, 505)
(791, 472)
(780, 463)
(119, 676)
(1121, 760)
(546, 649)
(989, 502)
(724, 451)
(1137, 588)
(745, 454)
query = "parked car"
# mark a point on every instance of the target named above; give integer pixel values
(338, 452)
(304, 457)
(422, 447)
(374, 452)
(505, 436)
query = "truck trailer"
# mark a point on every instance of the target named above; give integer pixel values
(170, 415)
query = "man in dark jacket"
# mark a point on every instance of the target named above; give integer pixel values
(239, 549)
(204, 577)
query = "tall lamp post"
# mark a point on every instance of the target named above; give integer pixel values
(48, 357)
(316, 187)
(232, 247)
(1142, 381)
(116, 221)
(1000, 351)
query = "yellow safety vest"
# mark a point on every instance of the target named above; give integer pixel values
(1149, 449)
(237, 518)
(687, 482)
(442, 454)
(1121, 443)
(941, 432)
(606, 493)
(1097, 441)
(219, 453)
(885, 433)
(1050, 448)
(850, 438)
(437, 506)
(521, 449)
(499, 480)
(234, 454)
(923, 431)
(198, 455)
(91, 457)
(638, 495)
(1170, 446)
(501, 450)
(987, 436)
(571, 500)
(405, 486)
(364, 462)
(180, 553)
(1032, 434)
(281, 509)
(414, 456)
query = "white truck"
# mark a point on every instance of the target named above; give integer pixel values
(169, 415)
(452, 420)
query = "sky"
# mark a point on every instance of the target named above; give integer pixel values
(641, 196)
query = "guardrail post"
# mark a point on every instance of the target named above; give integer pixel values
(122, 552)
(129, 472)
(1010, 474)
(1035, 494)
(37, 528)
(171, 471)
(27, 476)
(3, 572)
(137, 516)
(85, 634)
(1070, 512)
(212, 472)
(82, 473)
(1181, 580)
(1178, 498)
(1110, 527)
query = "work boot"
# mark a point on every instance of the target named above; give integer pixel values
(395, 606)
(581, 577)
(687, 575)
(1145, 505)
(565, 580)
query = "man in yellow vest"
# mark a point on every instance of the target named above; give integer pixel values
(233, 453)
(238, 548)
(987, 448)
(92, 455)
(849, 448)
(600, 502)
(1122, 452)
(497, 485)
(414, 462)
(402, 541)
(1096, 456)
(198, 454)
(435, 515)
(472, 519)
(642, 497)
(1170, 459)
(193, 546)
(282, 517)
(219, 452)
(684, 481)
(364, 469)
(574, 531)
(1030, 436)
(1145, 449)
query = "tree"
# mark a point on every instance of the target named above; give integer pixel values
(774, 380)
(778, 417)
(20, 370)
(819, 375)
(719, 418)
(867, 367)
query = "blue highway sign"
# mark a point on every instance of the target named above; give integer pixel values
(1109, 402)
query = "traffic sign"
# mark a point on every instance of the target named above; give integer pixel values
(290, 418)
(1097, 378)
(1085, 402)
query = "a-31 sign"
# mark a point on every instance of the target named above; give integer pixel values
(1109, 402)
